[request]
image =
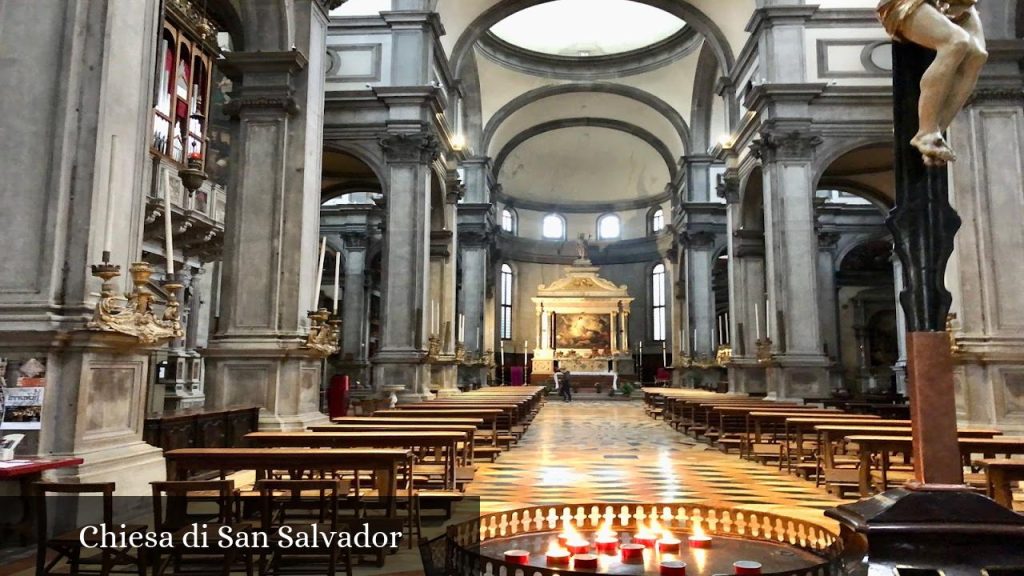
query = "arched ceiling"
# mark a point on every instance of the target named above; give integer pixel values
(584, 164)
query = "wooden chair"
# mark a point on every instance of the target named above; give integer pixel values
(284, 503)
(70, 545)
(204, 507)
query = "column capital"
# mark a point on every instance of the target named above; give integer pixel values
(828, 240)
(354, 241)
(417, 147)
(1000, 95)
(473, 237)
(786, 145)
(728, 186)
(748, 244)
(273, 91)
(701, 240)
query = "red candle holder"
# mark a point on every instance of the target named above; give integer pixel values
(673, 568)
(517, 556)
(700, 541)
(564, 538)
(607, 544)
(585, 562)
(669, 545)
(558, 557)
(632, 552)
(579, 546)
(647, 540)
(746, 568)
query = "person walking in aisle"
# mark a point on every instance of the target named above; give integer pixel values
(564, 386)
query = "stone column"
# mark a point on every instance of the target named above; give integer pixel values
(406, 305)
(800, 367)
(353, 311)
(62, 62)
(986, 269)
(473, 248)
(827, 298)
(746, 288)
(700, 258)
(271, 233)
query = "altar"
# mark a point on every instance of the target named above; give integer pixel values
(582, 325)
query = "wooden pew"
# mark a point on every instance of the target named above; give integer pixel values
(883, 445)
(489, 431)
(443, 443)
(1000, 475)
(797, 428)
(469, 431)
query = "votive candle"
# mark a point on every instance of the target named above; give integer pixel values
(669, 545)
(632, 552)
(517, 556)
(558, 557)
(673, 568)
(700, 541)
(606, 544)
(578, 546)
(746, 568)
(585, 562)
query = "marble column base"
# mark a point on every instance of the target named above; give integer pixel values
(403, 368)
(131, 466)
(444, 377)
(793, 377)
(278, 375)
(989, 392)
(747, 376)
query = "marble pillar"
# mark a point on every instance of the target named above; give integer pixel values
(800, 368)
(63, 182)
(353, 310)
(700, 297)
(406, 289)
(987, 269)
(258, 354)
(746, 288)
(474, 261)
(827, 304)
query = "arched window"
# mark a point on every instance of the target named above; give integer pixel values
(506, 302)
(658, 302)
(508, 221)
(609, 227)
(553, 227)
(657, 221)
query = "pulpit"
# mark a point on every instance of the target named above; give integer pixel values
(582, 325)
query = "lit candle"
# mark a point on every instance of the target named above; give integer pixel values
(168, 227)
(606, 544)
(319, 274)
(700, 541)
(517, 556)
(673, 568)
(646, 539)
(669, 544)
(337, 279)
(746, 568)
(557, 556)
(585, 562)
(578, 546)
(108, 226)
(632, 552)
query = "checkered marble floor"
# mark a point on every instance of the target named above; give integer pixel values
(608, 451)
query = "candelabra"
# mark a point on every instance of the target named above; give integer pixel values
(724, 355)
(324, 331)
(132, 314)
(461, 357)
(764, 351)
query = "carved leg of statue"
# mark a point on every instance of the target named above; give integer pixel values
(970, 70)
(944, 87)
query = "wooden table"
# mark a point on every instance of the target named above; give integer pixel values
(1000, 474)
(27, 471)
(469, 431)
(446, 441)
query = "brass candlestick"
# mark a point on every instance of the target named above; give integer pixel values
(324, 332)
(132, 314)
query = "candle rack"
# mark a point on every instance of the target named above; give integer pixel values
(785, 545)
(324, 332)
(132, 314)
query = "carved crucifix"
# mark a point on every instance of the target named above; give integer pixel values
(953, 30)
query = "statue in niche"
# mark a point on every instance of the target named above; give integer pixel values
(581, 246)
(953, 29)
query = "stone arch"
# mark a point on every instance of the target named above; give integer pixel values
(702, 109)
(835, 149)
(373, 159)
(752, 201)
(680, 8)
(608, 123)
(523, 100)
(267, 25)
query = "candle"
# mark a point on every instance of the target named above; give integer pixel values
(479, 340)
(669, 545)
(109, 224)
(673, 568)
(632, 552)
(746, 567)
(693, 342)
(767, 320)
(517, 556)
(337, 279)
(646, 539)
(557, 557)
(168, 228)
(585, 562)
(319, 274)
(700, 541)
(681, 340)
(664, 354)
(713, 339)
(606, 544)
(578, 546)
(757, 322)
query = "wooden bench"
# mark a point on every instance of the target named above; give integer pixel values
(1000, 475)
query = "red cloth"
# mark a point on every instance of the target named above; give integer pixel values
(662, 375)
(516, 376)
